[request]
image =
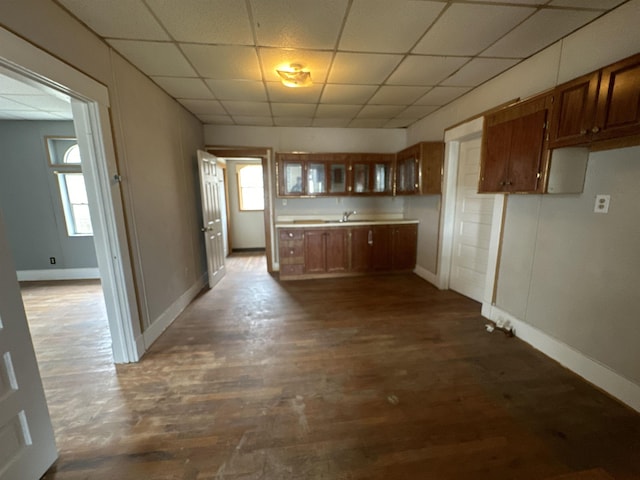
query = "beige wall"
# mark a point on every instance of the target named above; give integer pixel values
(565, 270)
(155, 141)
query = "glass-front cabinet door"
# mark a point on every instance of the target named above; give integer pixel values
(382, 174)
(316, 178)
(361, 171)
(338, 180)
(291, 173)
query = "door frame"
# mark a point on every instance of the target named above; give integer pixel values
(453, 138)
(90, 107)
(266, 155)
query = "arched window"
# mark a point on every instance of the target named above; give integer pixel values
(73, 193)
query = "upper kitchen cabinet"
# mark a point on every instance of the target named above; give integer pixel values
(514, 155)
(419, 169)
(372, 174)
(598, 107)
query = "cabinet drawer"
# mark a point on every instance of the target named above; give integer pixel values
(291, 234)
(291, 251)
(291, 270)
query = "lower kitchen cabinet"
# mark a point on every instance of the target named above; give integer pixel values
(325, 251)
(348, 250)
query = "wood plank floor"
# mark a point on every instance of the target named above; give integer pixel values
(380, 377)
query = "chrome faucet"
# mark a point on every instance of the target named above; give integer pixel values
(346, 215)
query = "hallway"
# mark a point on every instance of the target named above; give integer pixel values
(380, 377)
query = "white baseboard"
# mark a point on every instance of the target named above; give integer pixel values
(601, 376)
(58, 274)
(425, 274)
(161, 323)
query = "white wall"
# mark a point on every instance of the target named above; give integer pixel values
(155, 140)
(571, 274)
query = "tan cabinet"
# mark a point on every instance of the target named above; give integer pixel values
(514, 155)
(419, 169)
(598, 107)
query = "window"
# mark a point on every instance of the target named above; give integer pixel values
(64, 156)
(250, 187)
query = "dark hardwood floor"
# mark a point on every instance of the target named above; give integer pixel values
(381, 377)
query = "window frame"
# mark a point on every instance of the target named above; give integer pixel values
(239, 167)
(61, 170)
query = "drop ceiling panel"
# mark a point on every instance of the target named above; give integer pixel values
(238, 90)
(298, 23)
(373, 63)
(251, 120)
(293, 110)
(213, 21)
(316, 62)
(347, 94)
(208, 107)
(180, 87)
(337, 111)
(128, 19)
(467, 29)
(540, 30)
(280, 93)
(425, 70)
(362, 68)
(478, 71)
(155, 58)
(397, 95)
(597, 4)
(374, 27)
(417, 111)
(442, 95)
(380, 111)
(253, 109)
(224, 62)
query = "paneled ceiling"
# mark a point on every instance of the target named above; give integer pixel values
(373, 63)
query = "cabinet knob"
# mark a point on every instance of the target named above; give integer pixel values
(583, 131)
(290, 235)
(290, 252)
(595, 129)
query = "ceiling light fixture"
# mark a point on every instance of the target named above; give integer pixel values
(294, 76)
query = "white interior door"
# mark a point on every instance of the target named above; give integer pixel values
(472, 226)
(27, 443)
(213, 203)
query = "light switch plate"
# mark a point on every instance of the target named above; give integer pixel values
(602, 204)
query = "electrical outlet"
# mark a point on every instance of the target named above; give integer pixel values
(52, 260)
(602, 204)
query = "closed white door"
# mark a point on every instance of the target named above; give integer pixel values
(27, 444)
(213, 203)
(472, 226)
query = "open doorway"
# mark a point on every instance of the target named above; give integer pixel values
(259, 230)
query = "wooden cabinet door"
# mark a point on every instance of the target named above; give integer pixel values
(514, 149)
(495, 157)
(291, 170)
(336, 258)
(338, 174)
(574, 111)
(381, 249)
(361, 251)
(314, 251)
(524, 167)
(405, 244)
(618, 110)
(431, 167)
